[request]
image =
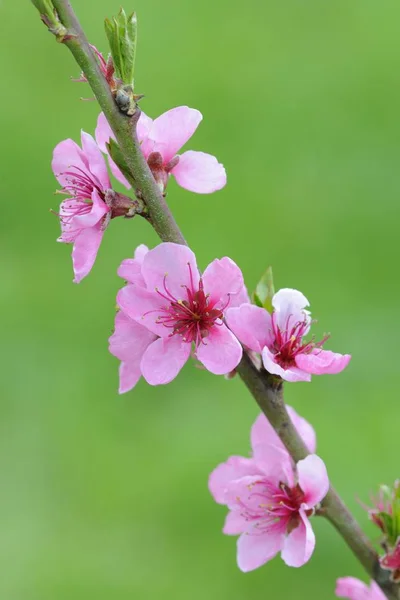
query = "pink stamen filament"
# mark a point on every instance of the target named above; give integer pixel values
(278, 505)
(81, 184)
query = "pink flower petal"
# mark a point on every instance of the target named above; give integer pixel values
(97, 212)
(242, 297)
(299, 544)
(234, 468)
(69, 231)
(163, 360)
(171, 131)
(169, 268)
(237, 492)
(97, 164)
(103, 135)
(143, 126)
(129, 375)
(376, 592)
(251, 325)
(65, 155)
(354, 589)
(235, 523)
(104, 132)
(304, 428)
(262, 431)
(131, 268)
(130, 339)
(85, 251)
(140, 253)
(322, 362)
(290, 308)
(143, 306)
(275, 462)
(257, 549)
(131, 271)
(220, 352)
(199, 172)
(313, 479)
(290, 374)
(222, 277)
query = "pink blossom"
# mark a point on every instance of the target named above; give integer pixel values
(83, 175)
(280, 338)
(130, 340)
(261, 433)
(169, 298)
(161, 140)
(354, 589)
(270, 499)
(91, 203)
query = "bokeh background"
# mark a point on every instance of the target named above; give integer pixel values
(105, 497)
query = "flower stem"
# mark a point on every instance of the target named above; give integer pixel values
(266, 389)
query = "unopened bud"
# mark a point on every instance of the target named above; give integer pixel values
(386, 514)
(122, 33)
(50, 18)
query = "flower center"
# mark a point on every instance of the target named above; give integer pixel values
(268, 505)
(289, 341)
(191, 317)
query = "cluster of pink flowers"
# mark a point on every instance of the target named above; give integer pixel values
(166, 296)
(91, 201)
(168, 311)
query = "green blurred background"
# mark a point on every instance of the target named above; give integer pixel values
(105, 497)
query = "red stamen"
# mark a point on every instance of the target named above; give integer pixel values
(192, 317)
(289, 342)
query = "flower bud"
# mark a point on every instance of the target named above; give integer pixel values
(122, 32)
(386, 513)
(50, 18)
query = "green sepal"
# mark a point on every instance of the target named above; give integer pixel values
(264, 292)
(388, 526)
(115, 152)
(396, 510)
(121, 32)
